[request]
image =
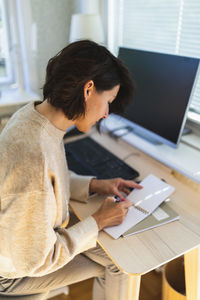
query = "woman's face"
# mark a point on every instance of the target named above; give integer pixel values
(97, 105)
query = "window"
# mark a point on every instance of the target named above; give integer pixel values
(167, 26)
(18, 75)
(5, 59)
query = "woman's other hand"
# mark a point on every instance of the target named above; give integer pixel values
(112, 186)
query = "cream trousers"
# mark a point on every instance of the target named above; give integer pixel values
(109, 283)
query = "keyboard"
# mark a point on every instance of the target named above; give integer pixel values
(87, 157)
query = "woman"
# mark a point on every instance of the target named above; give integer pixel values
(38, 251)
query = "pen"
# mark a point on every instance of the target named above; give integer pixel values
(118, 199)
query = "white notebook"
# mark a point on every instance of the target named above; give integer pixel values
(145, 201)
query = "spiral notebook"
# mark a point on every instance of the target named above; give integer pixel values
(164, 214)
(145, 201)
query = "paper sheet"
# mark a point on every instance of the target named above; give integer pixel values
(154, 192)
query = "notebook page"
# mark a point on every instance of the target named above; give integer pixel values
(154, 192)
(133, 217)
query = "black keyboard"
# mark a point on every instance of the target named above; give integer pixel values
(87, 157)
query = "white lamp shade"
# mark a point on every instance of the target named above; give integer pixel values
(86, 26)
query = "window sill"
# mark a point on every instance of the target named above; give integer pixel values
(194, 118)
(12, 99)
(16, 95)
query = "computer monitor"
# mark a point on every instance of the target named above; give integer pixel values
(164, 85)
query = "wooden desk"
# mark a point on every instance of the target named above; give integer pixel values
(141, 253)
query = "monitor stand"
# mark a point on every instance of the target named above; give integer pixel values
(146, 136)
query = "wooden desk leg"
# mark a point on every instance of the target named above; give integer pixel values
(133, 287)
(192, 274)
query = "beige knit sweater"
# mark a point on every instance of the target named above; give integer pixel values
(35, 187)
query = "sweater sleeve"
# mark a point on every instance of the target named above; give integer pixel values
(79, 186)
(30, 241)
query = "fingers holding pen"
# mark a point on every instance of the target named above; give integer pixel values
(126, 205)
(111, 213)
(123, 207)
(119, 199)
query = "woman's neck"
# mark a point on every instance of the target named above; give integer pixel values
(54, 115)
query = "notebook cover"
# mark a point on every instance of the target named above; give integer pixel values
(169, 215)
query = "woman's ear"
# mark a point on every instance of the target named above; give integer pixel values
(88, 89)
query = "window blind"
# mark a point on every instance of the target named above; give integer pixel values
(167, 26)
(190, 41)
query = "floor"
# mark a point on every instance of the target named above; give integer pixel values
(151, 285)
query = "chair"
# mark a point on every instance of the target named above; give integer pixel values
(43, 296)
(53, 293)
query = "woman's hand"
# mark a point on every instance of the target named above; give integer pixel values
(111, 213)
(112, 186)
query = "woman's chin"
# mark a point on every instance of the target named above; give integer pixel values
(84, 129)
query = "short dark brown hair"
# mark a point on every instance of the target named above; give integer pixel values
(75, 65)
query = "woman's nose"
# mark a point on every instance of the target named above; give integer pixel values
(105, 116)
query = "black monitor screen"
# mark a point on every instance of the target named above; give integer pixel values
(163, 87)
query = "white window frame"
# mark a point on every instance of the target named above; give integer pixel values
(24, 85)
(8, 79)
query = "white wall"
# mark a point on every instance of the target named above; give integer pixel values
(52, 18)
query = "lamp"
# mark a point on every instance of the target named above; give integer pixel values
(86, 26)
